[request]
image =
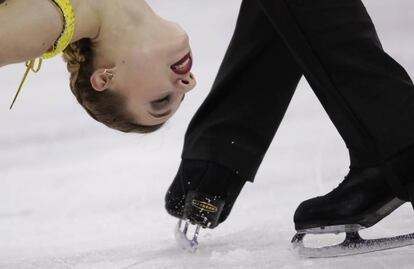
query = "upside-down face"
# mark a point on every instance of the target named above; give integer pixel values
(154, 74)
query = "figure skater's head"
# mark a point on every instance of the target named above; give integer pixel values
(133, 76)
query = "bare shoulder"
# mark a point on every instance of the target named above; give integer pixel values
(28, 29)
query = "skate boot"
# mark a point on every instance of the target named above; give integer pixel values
(202, 195)
(360, 201)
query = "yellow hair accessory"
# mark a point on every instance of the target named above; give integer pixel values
(60, 45)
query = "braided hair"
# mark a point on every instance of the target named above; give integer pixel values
(106, 107)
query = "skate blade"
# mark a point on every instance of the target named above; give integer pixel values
(352, 245)
(190, 245)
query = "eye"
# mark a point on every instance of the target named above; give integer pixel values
(165, 99)
(161, 103)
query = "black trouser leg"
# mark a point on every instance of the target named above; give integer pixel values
(368, 95)
(237, 122)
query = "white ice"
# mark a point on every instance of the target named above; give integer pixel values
(74, 194)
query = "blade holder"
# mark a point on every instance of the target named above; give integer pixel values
(186, 243)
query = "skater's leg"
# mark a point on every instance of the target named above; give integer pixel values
(369, 98)
(228, 137)
(368, 95)
(237, 122)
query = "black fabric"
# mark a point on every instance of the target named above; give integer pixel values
(256, 81)
(400, 169)
(368, 95)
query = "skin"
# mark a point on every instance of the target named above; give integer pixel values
(134, 48)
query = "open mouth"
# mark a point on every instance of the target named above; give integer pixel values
(184, 65)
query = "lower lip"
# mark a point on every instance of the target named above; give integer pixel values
(187, 68)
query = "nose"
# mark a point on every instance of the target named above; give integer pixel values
(186, 83)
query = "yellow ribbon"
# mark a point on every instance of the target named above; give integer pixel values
(68, 28)
(30, 66)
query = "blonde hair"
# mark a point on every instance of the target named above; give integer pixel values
(106, 107)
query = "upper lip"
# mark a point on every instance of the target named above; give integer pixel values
(181, 69)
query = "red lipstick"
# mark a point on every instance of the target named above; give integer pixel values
(183, 66)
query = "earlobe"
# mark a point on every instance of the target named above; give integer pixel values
(101, 79)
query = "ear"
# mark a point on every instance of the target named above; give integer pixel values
(101, 79)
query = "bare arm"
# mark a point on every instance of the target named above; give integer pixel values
(28, 29)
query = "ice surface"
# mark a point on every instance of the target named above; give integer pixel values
(74, 194)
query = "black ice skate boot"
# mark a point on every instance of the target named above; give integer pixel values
(203, 194)
(360, 201)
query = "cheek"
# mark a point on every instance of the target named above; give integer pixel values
(150, 76)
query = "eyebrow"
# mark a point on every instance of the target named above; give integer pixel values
(165, 113)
